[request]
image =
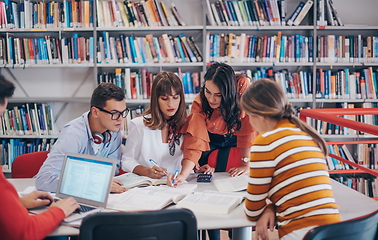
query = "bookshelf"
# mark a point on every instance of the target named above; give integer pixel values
(358, 170)
(67, 87)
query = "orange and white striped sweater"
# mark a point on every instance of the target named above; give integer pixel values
(289, 169)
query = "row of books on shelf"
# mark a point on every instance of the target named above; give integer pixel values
(46, 50)
(46, 15)
(347, 49)
(138, 84)
(166, 48)
(28, 119)
(325, 128)
(342, 84)
(327, 14)
(255, 13)
(366, 156)
(77, 49)
(245, 48)
(149, 13)
(365, 185)
(148, 49)
(79, 14)
(12, 148)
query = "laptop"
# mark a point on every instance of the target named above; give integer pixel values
(88, 179)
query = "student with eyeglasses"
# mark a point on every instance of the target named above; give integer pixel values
(156, 133)
(96, 132)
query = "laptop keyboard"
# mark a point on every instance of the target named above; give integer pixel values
(82, 208)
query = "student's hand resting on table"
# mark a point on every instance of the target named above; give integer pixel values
(237, 171)
(206, 169)
(36, 199)
(265, 221)
(157, 172)
(117, 187)
(68, 205)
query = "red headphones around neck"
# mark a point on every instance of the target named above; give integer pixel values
(104, 137)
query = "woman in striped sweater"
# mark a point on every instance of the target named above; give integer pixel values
(287, 167)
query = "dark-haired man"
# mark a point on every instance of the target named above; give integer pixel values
(96, 132)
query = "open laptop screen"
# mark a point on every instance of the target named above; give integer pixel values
(86, 177)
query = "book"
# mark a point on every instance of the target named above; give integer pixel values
(294, 15)
(211, 202)
(303, 12)
(232, 184)
(131, 180)
(149, 198)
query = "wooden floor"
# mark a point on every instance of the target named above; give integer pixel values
(272, 235)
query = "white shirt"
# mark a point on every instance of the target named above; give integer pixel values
(143, 144)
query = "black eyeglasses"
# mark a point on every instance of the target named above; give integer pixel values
(116, 115)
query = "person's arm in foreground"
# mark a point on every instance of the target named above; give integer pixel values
(266, 221)
(259, 180)
(15, 221)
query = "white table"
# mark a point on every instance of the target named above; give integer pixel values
(352, 204)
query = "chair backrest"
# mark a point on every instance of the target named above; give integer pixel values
(224, 159)
(27, 165)
(167, 224)
(364, 228)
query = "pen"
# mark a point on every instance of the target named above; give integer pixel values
(154, 163)
(174, 176)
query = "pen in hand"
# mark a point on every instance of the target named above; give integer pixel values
(174, 176)
(154, 163)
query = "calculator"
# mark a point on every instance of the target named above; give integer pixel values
(202, 177)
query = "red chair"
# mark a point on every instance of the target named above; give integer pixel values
(27, 165)
(233, 158)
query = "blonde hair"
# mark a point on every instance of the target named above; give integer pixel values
(265, 98)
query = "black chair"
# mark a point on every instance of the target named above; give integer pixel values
(167, 224)
(362, 228)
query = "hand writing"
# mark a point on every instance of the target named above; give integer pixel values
(157, 172)
(117, 187)
(180, 179)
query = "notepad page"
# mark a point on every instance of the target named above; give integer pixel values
(232, 184)
(135, 200)
(208, 202)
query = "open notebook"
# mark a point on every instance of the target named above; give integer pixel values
(212, 201)
(130, 180)
(88, 179)
(149, 198)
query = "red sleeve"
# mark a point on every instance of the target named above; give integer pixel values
(15, 221)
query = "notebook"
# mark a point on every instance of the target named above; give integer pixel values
(88, 179)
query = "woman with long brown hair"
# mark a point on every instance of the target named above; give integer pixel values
(156, 133)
